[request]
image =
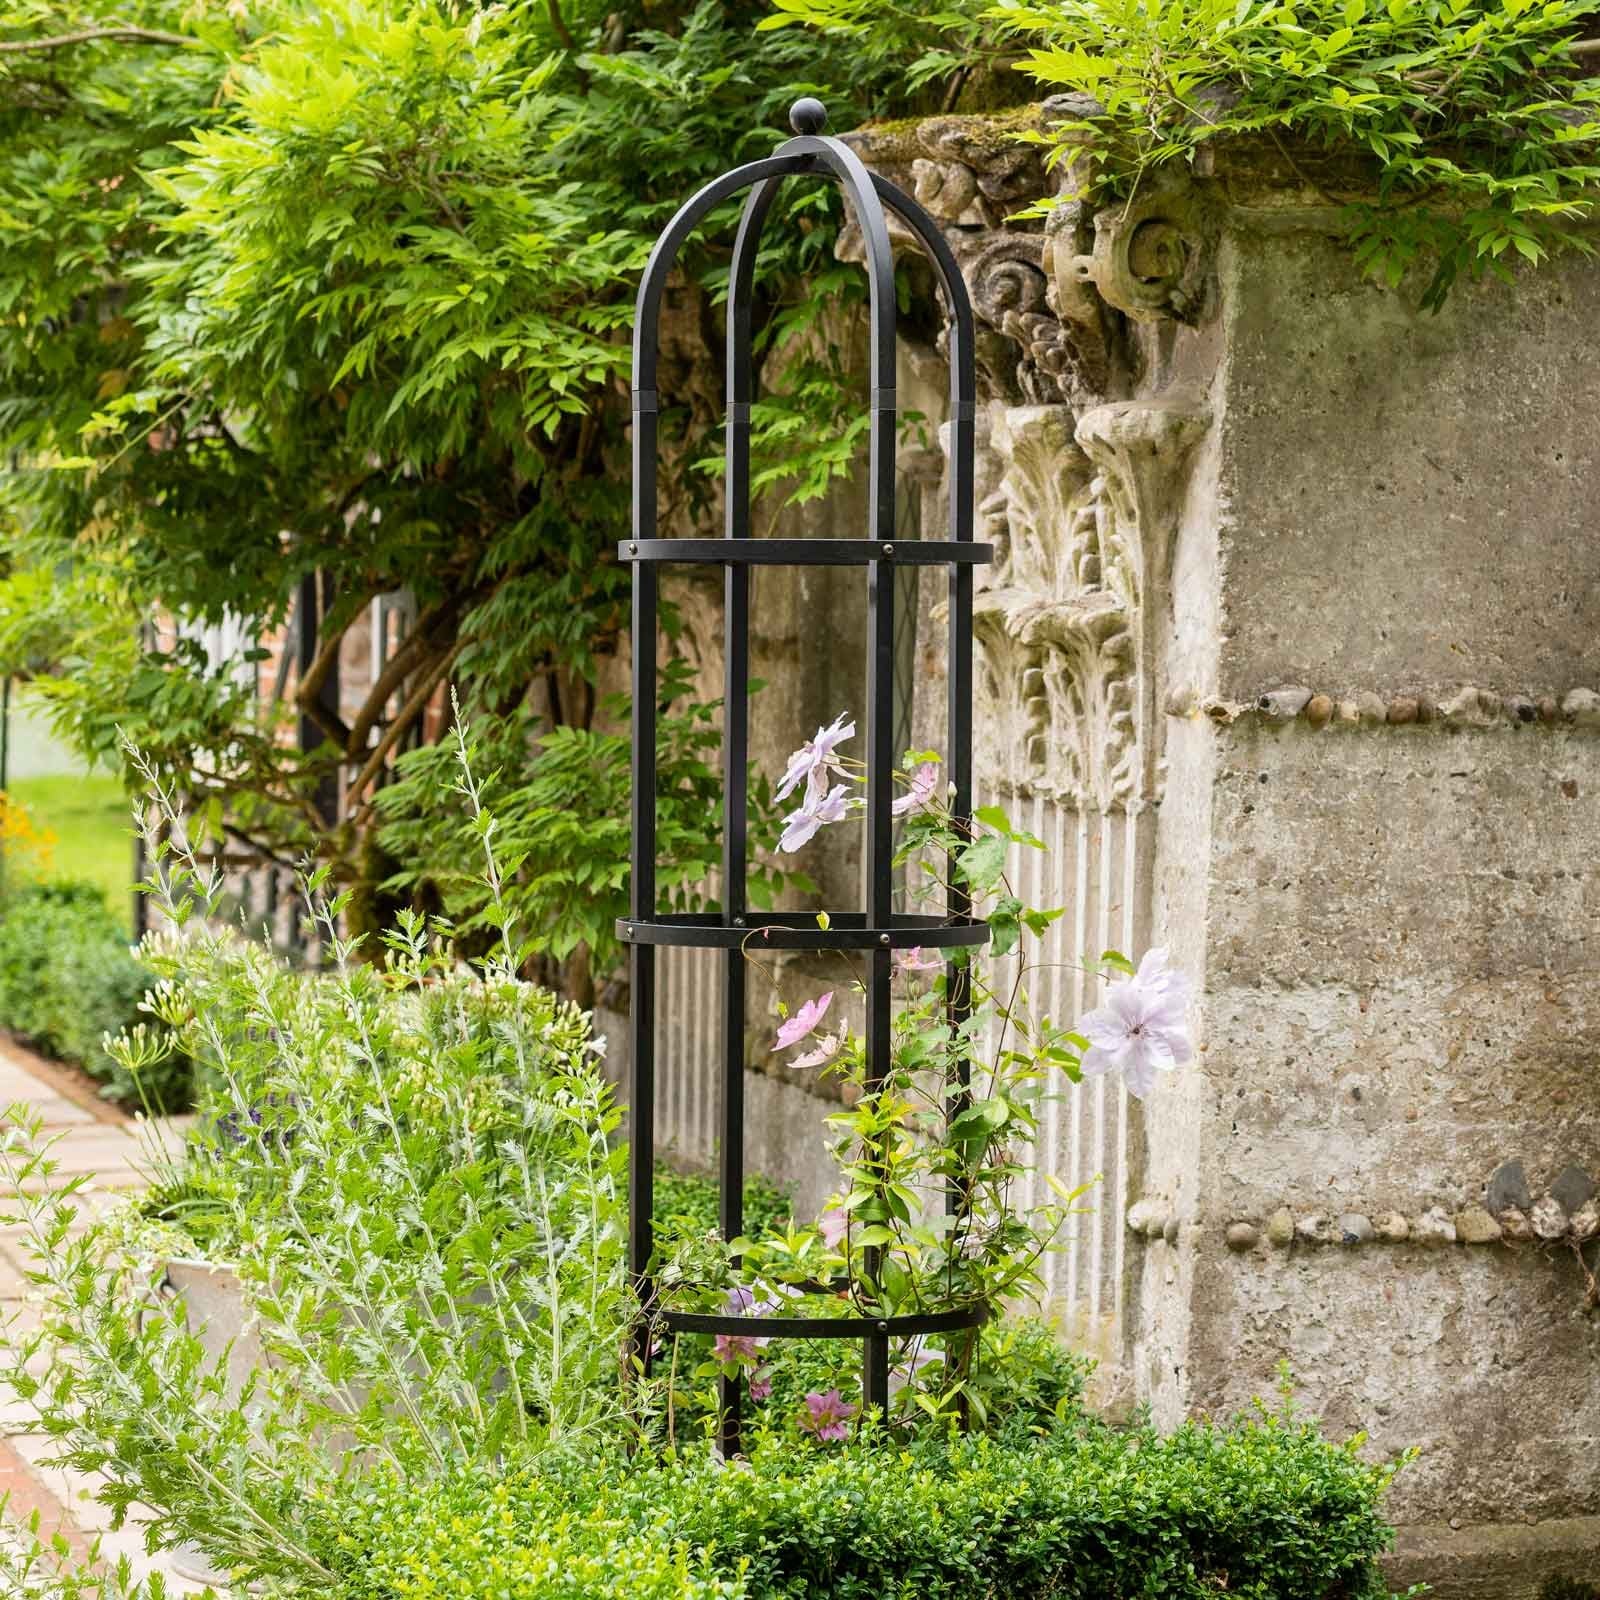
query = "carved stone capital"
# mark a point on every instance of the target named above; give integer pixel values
(1082, 511)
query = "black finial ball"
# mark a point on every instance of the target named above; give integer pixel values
(808, 116)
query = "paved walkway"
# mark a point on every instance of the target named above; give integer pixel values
(101, 1144)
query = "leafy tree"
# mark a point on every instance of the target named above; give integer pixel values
(342, 293)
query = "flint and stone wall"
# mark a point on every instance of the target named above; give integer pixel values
(1291, 653)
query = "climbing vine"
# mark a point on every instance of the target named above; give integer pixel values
(1475, 114)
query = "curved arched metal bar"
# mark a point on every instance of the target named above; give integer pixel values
(647, 317)
(862, 193)
(878, 862)
(642, 886)
(963, 357)
(958, 687)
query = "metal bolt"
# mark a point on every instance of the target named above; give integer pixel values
(883, 1327)
(888, 550)
(883, 938)
(627, 932)
(633, 549)
(738, 922)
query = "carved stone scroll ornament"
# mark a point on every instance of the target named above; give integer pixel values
(972, 176)
(1082, 511)
(1047, 299)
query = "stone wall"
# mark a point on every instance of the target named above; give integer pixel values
(1290, 653)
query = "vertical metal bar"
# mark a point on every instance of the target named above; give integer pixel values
(642, 879)
(735, 712)
(736, 747)
(880, 898)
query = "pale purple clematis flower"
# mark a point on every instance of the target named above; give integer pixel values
(793, 1029)
(832, 1226)
(815, 759)
(743, 1302)
(743, 1347)
(826, 1416)
(800, 827)
(919, 789)
(913, 960)
(1142, 1029)
(825, 1049)
(731, 1348)
(760, 1383)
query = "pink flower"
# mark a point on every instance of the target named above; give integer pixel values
(793, 1029)
(1142, 1029)
(760, 1384)
(913, 960)
(919, 789)
(731, 1348)
(799, 827)
(826, 1048)
(815, 759)
(832, 1226)
(826, 1415)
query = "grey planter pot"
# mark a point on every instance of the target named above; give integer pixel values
(213, 1298)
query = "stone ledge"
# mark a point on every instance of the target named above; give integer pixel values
(1464, 707)
(1498, 1560)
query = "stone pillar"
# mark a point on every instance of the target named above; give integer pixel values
(1377, 849)
(1291, 652)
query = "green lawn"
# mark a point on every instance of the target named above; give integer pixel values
(93, 827)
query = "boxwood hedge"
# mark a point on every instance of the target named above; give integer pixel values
(1264, 1509)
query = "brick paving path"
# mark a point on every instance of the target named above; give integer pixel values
(99, 1143)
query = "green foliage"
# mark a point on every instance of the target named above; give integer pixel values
(563, 816)
(345, 290)
(939, 44)
(413, 1166)
(1265, 1509)
(1023, 1381)
(687, 1202)
(1474, 114)
(931, 1146)
(68, 978)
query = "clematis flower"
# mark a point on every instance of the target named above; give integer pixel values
(1142, 1029)
(744, 1302)
(825, 1049)
(831, 1226)
(760, 1383)
(815, 759)
(730, 1348)
(919, 789)
(826, 1416)
(800, 827)
(793, 1029)
(913, 960)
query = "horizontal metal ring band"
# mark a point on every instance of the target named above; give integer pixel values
(807, 552)
(826, 1327)
(796, 930)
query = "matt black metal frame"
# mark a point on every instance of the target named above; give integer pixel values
(879, 929)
